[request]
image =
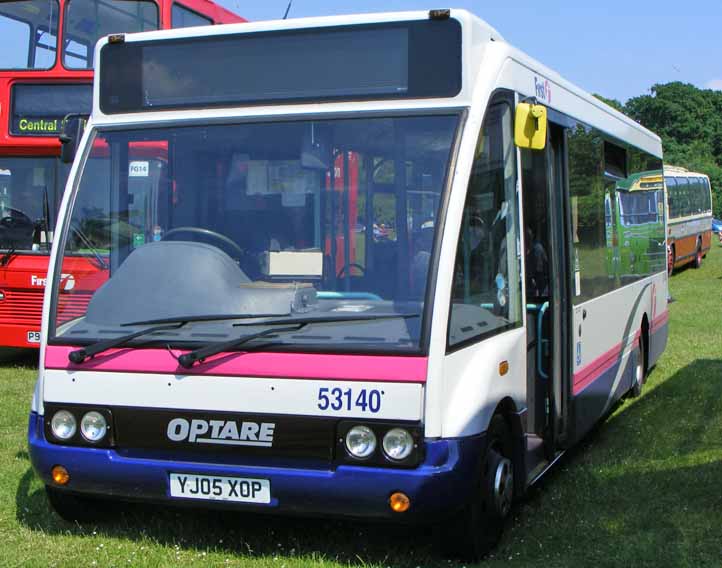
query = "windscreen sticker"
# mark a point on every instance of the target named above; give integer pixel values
(355, 308)
(139, 169)
(577, 275)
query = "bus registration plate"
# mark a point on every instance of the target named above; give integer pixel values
(244, 490)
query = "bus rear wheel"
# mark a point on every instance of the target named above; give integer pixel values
(639, 371)
(477, 528)
(698, 256)
(76, 508)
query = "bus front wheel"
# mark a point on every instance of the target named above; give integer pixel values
(477, 528)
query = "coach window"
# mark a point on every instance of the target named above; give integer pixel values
(486, 294)
(683, 207)
(182, 17)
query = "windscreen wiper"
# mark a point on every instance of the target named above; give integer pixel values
(87, 242)
(80, 355)
(8, 255)
(187, 360)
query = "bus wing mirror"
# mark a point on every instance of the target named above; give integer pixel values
(73, 128)
(530, 126)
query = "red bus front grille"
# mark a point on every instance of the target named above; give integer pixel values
(71, 306)
(20, 307)
(26, 307)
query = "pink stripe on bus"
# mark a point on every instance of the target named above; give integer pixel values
(659, 321)
(589, 373)
(392, 368)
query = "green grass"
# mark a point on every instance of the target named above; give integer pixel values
(644, 489)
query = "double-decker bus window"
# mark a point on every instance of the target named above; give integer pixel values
(86, 21)
(182, 17)
(28, 34)
(29, 190)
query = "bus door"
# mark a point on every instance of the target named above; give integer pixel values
(547, 289)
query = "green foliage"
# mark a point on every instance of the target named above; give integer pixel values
(689, 120)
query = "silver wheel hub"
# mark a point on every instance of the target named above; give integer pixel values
(503, 486)
(639, 372)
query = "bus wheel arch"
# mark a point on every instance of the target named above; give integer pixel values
(698, 254)
(641, 364)
(475, 530)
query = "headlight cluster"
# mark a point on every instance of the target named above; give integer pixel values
(381, 443)
(78, 426)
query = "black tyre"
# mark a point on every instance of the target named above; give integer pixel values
(698, 256)
(477, 528)
(76, 508)
(640, 372)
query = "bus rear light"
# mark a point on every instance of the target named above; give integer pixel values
(2, 296)
(60, 475)
(399, 502)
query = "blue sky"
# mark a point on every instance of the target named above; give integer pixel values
(617, 48)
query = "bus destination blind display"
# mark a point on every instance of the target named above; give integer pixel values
(39, 110)
(407, 60)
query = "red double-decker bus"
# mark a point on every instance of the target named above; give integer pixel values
(46, 62)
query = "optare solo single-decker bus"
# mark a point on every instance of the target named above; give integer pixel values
(369, 277)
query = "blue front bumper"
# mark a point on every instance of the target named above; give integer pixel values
(438, 486)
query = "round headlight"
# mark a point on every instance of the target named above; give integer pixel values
(63, 425)
(360, 441)
(93, 426)
(398, 444)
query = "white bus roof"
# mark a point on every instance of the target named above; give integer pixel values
(488, 62)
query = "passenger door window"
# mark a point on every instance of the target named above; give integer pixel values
(486, 294)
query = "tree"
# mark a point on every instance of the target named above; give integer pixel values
(689, 121)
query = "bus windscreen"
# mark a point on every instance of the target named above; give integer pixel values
(397, 60)
(39, 110)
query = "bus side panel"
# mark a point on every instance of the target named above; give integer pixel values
(685, 235)
(606, 338)
(473, 385)
(658, 334)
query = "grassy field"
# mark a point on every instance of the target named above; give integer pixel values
(645, 489)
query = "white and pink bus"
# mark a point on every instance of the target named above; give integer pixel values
(259, 344)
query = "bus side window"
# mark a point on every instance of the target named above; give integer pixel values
(182, 17)
(486, 292)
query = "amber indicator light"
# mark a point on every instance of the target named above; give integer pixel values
(399, 502)
(503, 368)
(60, 475)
